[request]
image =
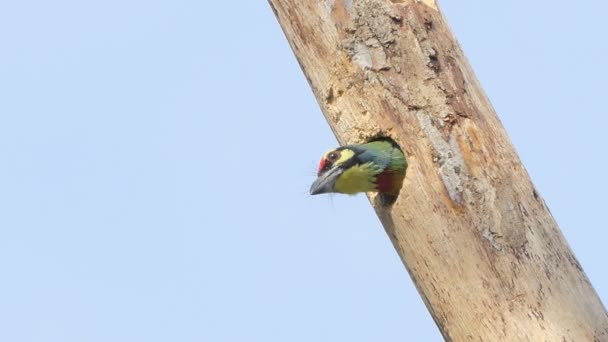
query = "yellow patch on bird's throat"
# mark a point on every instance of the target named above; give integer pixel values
(358, 178)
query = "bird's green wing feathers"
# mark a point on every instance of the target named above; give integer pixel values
(383, 154)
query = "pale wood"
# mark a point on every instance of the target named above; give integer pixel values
(476, 237)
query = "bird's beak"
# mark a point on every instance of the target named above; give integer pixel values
(325, 182)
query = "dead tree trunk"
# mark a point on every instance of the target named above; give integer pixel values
(476, 237)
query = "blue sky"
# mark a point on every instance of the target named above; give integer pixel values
(155, 158)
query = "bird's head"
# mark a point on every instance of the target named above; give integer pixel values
(377, 166)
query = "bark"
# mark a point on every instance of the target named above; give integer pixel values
(476, 237)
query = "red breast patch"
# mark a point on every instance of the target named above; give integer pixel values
(384, 182)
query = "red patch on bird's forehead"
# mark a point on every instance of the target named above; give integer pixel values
(321, 165)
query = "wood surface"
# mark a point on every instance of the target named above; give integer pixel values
(475, 235)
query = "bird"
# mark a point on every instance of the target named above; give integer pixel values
(377, 166)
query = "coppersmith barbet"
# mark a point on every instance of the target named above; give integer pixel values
(377, 166)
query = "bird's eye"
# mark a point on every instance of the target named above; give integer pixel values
(333, 156)
(327, 162)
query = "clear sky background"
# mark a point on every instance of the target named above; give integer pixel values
(155, 159)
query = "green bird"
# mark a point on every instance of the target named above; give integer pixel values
(377, 166)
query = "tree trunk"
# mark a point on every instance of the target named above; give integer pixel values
(476, 237)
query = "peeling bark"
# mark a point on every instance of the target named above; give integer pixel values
(476, 237)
